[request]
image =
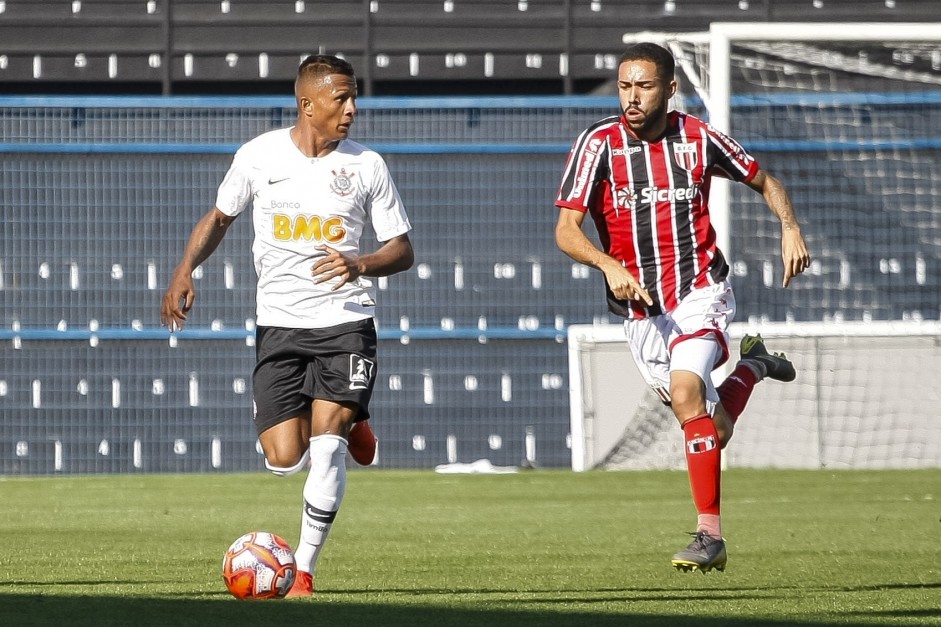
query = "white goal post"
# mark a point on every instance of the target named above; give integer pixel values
(848, 116)
(866, 396)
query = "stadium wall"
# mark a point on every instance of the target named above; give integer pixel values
(99, 195)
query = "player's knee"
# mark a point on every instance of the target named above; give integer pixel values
(283, 466)
(687, 401)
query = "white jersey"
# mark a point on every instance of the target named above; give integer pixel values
(299, 203)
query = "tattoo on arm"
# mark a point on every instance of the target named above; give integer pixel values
(780, 203)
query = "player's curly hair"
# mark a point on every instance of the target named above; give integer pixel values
(647, 51)
(320, 65)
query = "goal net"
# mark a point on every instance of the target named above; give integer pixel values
(866, 396)
(848, 116)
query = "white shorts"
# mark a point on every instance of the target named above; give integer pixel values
(694, 337)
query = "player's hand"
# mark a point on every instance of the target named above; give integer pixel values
(335, 265)
(624, 286)
(177, 301)
(794, 253)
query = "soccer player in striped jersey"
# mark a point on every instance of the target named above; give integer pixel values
(644, 177)
(310, 191)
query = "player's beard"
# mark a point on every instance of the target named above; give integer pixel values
(652, 118)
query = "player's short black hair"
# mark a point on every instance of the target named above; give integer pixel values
(647, 51)
(320, 65)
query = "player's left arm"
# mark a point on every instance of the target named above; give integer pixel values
(395, 255)
(793, 248)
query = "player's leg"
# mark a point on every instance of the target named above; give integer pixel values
(325, 486)
(282, 410)
(755, 365)
(700, 346)
(363, 443)
(649, 340)
(693, 399)
(340, 379)
(285, 445)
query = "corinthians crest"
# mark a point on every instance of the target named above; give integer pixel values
(342, 184)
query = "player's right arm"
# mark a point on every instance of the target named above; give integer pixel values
(571, 239)
(180, 295)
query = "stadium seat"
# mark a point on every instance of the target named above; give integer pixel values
(862, 11)
(96, 44)
(80, 42)
(483, 396)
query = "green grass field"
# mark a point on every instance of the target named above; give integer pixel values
(535, 548)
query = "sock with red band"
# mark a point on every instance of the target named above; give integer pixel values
(737, 388)
(703, 456)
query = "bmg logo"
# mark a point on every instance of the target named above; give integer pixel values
(287, 228)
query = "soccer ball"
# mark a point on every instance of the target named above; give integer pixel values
(259, 565)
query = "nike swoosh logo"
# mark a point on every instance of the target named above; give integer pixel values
(273, 181)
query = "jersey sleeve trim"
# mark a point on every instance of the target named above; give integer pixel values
(732, 159)
(568, 204)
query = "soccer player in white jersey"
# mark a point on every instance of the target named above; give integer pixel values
(644, 177)
(310, 190)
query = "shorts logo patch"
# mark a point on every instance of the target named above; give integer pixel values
(361, 370)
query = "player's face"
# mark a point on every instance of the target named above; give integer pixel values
(330, 102)
(645, 97)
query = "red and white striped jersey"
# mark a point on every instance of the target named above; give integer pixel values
(649, 202)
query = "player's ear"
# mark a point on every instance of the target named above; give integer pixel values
(306, 105)
(672, 88)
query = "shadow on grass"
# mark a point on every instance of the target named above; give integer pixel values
(105, 611)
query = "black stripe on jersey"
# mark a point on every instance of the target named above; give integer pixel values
(645, 224)
(682, 209)
(570, 176)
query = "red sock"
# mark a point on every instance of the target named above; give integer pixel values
(736, 390)
(702, 463)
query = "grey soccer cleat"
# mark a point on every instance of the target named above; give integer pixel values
(704, 553)
(777, 365)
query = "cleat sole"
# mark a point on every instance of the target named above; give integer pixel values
(687, 567)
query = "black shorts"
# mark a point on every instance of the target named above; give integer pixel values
(295, 366)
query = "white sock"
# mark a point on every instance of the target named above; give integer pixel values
(323, 492)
